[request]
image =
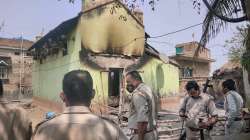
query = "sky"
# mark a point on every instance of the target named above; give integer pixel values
(30, 18)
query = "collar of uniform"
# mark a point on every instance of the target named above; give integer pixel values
(71, 109)
(230, 91)
(201, 95)
(139, 86)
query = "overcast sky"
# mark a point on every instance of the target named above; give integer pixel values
(31, 17)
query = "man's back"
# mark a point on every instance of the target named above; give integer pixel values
(14, 124)
(78, 123)
(233, 104)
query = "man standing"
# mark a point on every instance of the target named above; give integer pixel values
(199, 111)
(14, 124)
(77, 122)
(232, 105)
(142, 117)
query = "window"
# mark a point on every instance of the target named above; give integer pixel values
(3, 72)
(186, 72)
(179, 50)
(17, 53)
(65, 50)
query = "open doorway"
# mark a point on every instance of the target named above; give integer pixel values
(114, 86)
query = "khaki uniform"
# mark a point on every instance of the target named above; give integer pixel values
(143, 109)
(14, 124)
(78, 123)
(200, 108)
(233, 105)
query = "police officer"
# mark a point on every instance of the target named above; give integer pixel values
(142, 117)
(77, 122)
(199, 112)
(14, 124)
(232, 105)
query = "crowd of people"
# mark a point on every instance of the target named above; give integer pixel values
(77, 122)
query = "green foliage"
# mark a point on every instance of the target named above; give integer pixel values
(237, 44)
(245, 61)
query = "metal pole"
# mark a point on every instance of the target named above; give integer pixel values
(122, 92)
(20, 70)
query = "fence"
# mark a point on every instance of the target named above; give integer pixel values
(26, 93)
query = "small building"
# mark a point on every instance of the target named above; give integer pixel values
(108, 40)
(192, 68)
(230, 70)
(15, 65)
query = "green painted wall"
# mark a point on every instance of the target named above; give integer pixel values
(47, 76)
(163, 78)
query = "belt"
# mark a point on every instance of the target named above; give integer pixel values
(194, 129)
(237, 119)
(135, 131)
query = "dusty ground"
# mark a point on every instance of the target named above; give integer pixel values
(37, 113)
(168, 130)
(171, 103)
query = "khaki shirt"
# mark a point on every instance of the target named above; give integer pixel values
(200, 108)
(14, 124)
(78, 123)
(142, 107)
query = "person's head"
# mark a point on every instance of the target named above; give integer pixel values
(1, 88)
(228, 85)
(193, 89)
(77, 88)
(133, 79)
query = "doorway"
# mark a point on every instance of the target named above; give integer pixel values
(114, 86)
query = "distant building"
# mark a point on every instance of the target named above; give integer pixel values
(191, 68)
(15, 65)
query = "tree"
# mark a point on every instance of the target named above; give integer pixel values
(220, 13)
(237, 44)
(245, 61)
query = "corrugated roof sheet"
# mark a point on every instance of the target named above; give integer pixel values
(62, 29)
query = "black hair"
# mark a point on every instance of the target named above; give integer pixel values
(1, 88)
(192, 85)
(135, 75)
(78, 87)
(229, 84)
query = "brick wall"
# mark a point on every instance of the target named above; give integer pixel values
(190, 48)
(10, 48)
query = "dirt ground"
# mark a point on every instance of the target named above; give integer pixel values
(37, 112)
(169, 107)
